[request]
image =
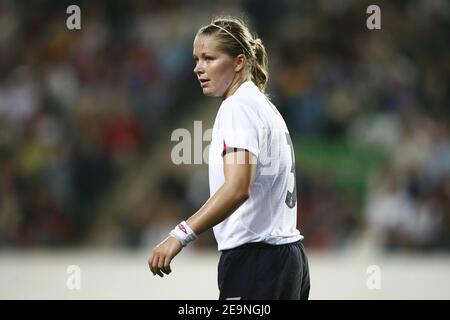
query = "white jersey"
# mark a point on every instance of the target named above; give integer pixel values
(248, 120)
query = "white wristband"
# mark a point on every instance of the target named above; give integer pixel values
(183, 233)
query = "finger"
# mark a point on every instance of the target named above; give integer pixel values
(166, 268)
(161, 266)
(154, 264)
(161, 262)
(149, 262)
(156, 267)
(167, 265)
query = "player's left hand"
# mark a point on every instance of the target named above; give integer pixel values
(162, 255)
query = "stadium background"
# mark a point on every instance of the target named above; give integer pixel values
(86, 116)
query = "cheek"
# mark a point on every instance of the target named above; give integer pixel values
(222, 78)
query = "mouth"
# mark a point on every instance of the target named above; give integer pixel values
(204, 82)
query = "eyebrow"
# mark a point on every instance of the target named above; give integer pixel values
(204, 54)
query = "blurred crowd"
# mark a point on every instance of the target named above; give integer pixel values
(79, 109)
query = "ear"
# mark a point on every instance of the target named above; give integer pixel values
(239, 62)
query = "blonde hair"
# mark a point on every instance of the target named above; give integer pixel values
(234, 37)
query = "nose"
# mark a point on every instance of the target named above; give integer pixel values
(199, 68)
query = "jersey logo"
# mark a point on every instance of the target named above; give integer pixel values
(182, 228)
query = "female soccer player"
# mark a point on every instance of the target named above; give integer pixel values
(253, 203)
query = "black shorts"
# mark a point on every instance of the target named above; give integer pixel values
(259, 271)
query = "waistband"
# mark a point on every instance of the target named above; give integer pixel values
(261, 245)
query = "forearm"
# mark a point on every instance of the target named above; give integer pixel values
(222, 204)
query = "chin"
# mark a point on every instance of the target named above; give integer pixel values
(208, 92)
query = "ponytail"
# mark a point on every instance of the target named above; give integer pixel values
(260, 73)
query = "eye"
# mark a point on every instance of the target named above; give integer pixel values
(209, 58)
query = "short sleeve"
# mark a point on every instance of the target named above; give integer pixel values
(239, 127)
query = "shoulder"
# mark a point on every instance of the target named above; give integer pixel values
(245, 104)
(248, 94)
(240, 103)
(236, 109)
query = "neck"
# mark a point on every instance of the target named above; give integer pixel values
(235, 84)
